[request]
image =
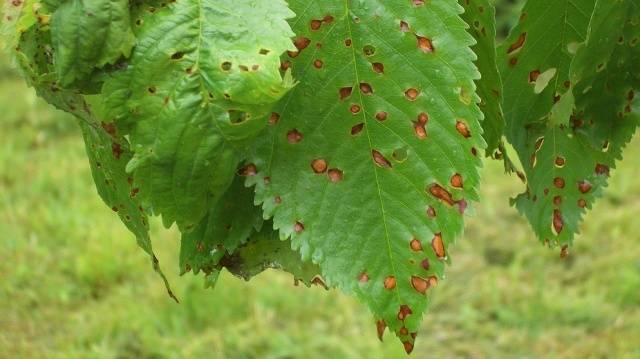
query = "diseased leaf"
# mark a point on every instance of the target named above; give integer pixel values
(197, 87)
(87, 35)
(373, 157)
(107, 150)
(229, 223)
(570, 129)
(480, 17)
(265, 250)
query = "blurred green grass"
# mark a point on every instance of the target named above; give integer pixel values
(73, 284)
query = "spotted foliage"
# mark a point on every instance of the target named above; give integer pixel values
(570, 105)
(358, 173)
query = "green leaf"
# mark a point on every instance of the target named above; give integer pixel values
(583, 113)
(480, 16)
(382, 125)
(88, 35)
(229, 223)
(108, 151)
(535, 60)
(266, 251)
(195, 90)
(107, 157)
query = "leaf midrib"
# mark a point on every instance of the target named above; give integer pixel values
(375, 170)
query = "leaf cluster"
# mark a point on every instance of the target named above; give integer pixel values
(340, 141)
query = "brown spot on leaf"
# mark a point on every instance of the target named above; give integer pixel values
(380, 328)
(248, 170)
(425, 44)
(431, 212)
(301, 43)
(462, 206)
(116, 149)
(419, 284)
(404, 312)
(602, 170)
(415, 245)
(438, 245)
(582, 203)
(315, 24)
(463, 129)
(294, 136)
(366, 88)
(559, 182)
(298, 227)
(378, 67)
(319, 165)
(363, 277)
(420, 130)
(380, 160)
(345, 92)
(517, 45)
(456, 181)
(109, 128)
(584, 186)
(317, 280)
(557, 200)
(355, 130)
(381, 116)
(408, 347)
(390, 282)
(411, 94)
(533, 76)
(440, 193)
(425, 264)
(335, 175)
(560, 161)
(274, 118)
(355, 109)
(564, 251)
(404, 27)
(558, 222)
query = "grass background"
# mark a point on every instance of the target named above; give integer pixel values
(73, 284)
